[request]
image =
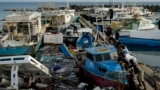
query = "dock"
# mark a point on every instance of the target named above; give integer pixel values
(148, 76)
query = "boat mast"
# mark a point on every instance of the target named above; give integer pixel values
(111, 3)
(67, 7)
(102, 18)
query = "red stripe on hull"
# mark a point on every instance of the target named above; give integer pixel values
(97, 80)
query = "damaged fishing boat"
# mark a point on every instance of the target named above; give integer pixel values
(100, 67)
(56, 21)
(21, 34)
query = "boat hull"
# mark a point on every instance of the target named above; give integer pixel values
(8, 51)
(100, 81)
(140, 44)
(20, 50)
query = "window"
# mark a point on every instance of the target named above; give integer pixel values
(102, 69)
(34, 62)
(51, 29)
(106, 56)
(90, 56)
(18, 58)
(99, 57)
(68, 33)
(5, 59)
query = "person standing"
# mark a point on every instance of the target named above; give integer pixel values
(117, 35)
(140, 73)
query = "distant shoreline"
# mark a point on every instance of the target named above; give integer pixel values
(77, 1)
(152, 6)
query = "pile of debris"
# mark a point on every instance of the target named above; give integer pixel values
(62, 68)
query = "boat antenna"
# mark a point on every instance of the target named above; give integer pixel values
(122, 5)
(67, 7)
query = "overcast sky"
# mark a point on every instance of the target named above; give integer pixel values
(75, 0)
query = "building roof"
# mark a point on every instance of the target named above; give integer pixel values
(101, 49)
(22, 17)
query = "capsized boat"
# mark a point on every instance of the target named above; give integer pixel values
(22, 34)
(100, 67)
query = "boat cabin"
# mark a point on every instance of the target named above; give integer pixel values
(102, 67)
(102, 53)
(21, 28)
(70, 32)
(134, 23)
(57, 18)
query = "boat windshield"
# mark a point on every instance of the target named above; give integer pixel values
(90, 56)
(68, 33)
(98, 57)
(106, 56)
(101, 57)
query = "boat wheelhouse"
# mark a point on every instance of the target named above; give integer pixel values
(102, 68)
(55, 21)
(22, 33)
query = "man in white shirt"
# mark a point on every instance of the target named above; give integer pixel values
(129, 57)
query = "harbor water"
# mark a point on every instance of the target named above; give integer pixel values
(151, 58)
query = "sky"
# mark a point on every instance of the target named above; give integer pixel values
(76, 0)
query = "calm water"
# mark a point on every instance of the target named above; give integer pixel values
(151, 58)
(147, 57)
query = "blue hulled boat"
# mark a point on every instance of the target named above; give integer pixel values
(139, 32)
(141, 44)
(101, 67)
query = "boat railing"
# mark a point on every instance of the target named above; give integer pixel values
(23, 61)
